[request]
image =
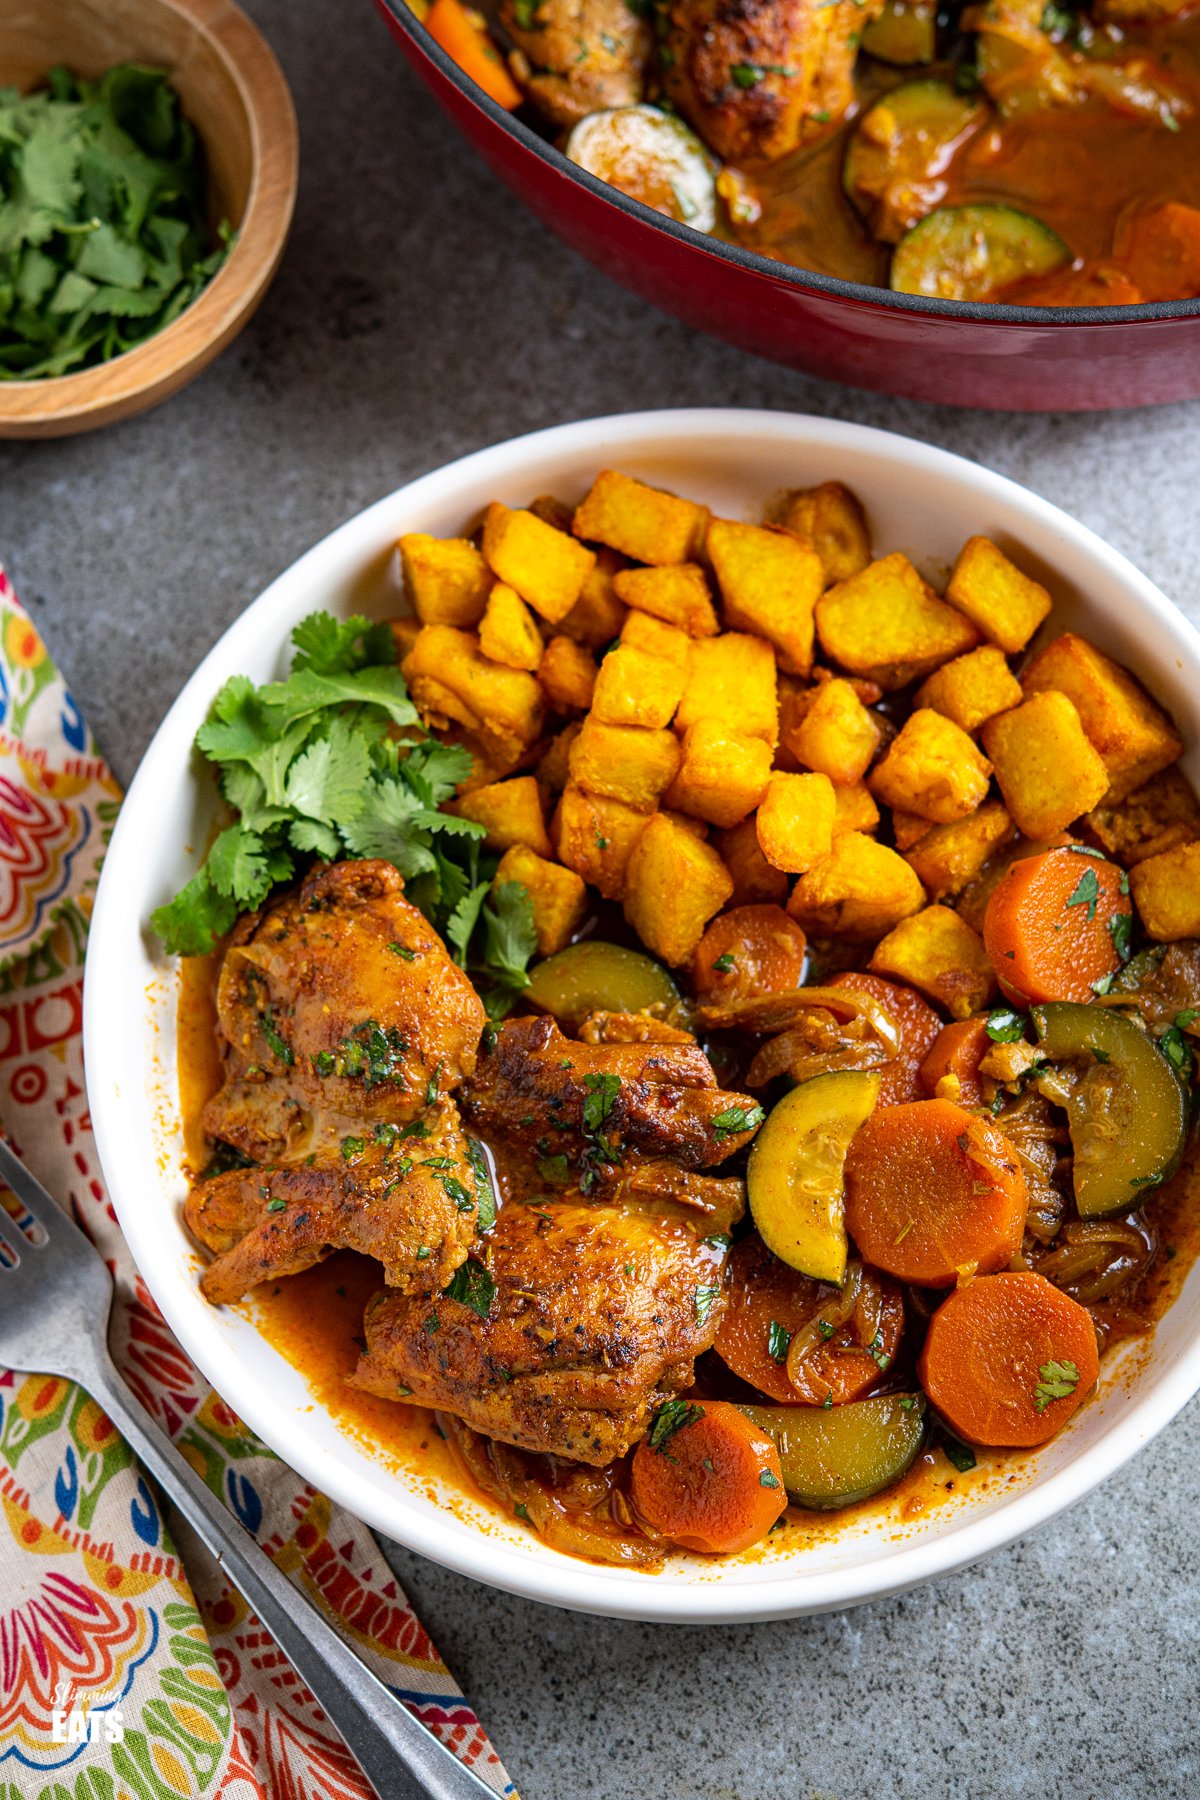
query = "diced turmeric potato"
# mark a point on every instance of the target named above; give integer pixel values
(559, 895)
(678, 595)
(835, 734)
(643, 522)
(769, 583)
(947, 857)
(723, 775)
(487, 765)
(937, 953)
(1006, 605)
(1133, 735)
(635, 687)
(547, 568)
(507, 632)
(932, 768)
(554, 511)
(447, 579)
(554, 766)
(732, 678)
(644, 632)
(595, 837)
(1048, 770)
(597, 616)
(754, 878)
(449, 678)
(404, 634)
(568, 675)
(625, 762)
(1166, 891)
(1158, 816)
(795, 820)
(859, 890)
(972, 688)
(510, 810)
(888, 624)
(855, 808)
(908, 828)
(673, 886)
(831, 519)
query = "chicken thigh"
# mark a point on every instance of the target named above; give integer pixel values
(575, 57)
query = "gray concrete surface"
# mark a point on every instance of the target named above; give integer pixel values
(421, 313)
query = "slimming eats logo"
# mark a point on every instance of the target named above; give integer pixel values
(71, 1723)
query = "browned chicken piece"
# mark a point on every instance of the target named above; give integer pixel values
(595, 1103)
(337, 1003)
(409, 1196)
(759, 77)
(631, 1028)
(575, 57)
(714, 1202)
(597, 1316)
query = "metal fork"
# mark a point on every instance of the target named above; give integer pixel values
(55, 1297)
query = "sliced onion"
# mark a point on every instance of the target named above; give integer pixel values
(806, 1342)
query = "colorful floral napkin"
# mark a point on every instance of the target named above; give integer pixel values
(109, 1625)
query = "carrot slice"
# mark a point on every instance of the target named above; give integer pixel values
(918, 1026)
(957, 1052)
(747, 951)
(454, 27)
(770, 1305)
(1053, 925)
(707, 1477)
(934, 1192)
(1161, 250)
(1008, 1358)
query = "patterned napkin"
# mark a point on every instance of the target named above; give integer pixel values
(102, 1611)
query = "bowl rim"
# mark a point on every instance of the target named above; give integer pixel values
(213, 318)
(549, 1576)
(753, 261)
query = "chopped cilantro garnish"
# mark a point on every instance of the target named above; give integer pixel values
(672, 1416)
(276, 1205)
(706, 1298)
(1120, 929)
(472, 1285)
(485, 1193)
(403, 952)
(778, 1340)
(736, 1119)
(1058, 1380)
(277, 1045)
(767, 1480)
(725, 964)
(352, 1148)
(958, 1453)
(1005, 1026)
(748, 75)
(1087, 893)
(1177, 1051)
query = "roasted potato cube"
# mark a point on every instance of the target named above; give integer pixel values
(644, 632)
(1133, 735)
(947, 857)
(854, 808)
(597, 616)
(678, 595)
(449, 678)
(732, 677)
(831, 519)
(559, 895)
(1158, 816)
(859, 890)
(932, 768)
(487, 767)
(642, 522)
(835, 734)
(510, 810)
(1049, 772)
(769, 584)
(937, 953)
(972, 688)
(404, 634)
(674, 884)
(1166, 891)
(908, 828)
(723, 775)
(754, 878)
(547, 568)
(888, 624)
(1006, 605)
(625, 762)
(686, 822)
(554, 765)
(795, 820)
(595, 837)
(507, 631)
(447, 580)
(567, 673)
(635, 687)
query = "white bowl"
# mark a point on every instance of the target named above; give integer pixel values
(920, 500)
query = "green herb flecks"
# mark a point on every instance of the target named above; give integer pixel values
(706, 1299)
(778, 1340)
(485, 1193)
(767, 1480)
(1005, 1026)
(371, 1053)
(1120, 929)
(1087, 893)
(736, 1119)
(472, 1285)
(672, 1416)
(725, 964)
(959, 1454)
(277, 1045)
(748, 75)
(1058, 1380)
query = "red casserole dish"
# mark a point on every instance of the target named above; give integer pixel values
(961, 353)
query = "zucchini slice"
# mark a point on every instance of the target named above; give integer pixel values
(970, 252)
(901, 148)
(653, 157)
(794, 1175)
(904, 33)
(837, 1456)
(594, 976)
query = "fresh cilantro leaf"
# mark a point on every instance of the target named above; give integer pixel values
(1120, 929)
(726, 963)
(191, 923)
(485, 1193)
(1004, 1026)
(472, 1285)
(321, 840)
(767, 1480)
(306, 692)
(1058, 1380)
(383, 826)
(510, 935)
(778, 1340)
(330, 646)
(327, 779)
(672, 1416)
(1187, 1017)
(1087, 892)
(706, 1298)
(599, 1099)
(240, 866)
(735, 1119)
(959, 1454)
(460, 926)
(1177, 1051)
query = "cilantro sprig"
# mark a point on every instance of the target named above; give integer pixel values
(314, 766)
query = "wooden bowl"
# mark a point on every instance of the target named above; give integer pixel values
(233, 91)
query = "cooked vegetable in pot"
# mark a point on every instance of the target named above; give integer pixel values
(720, 1002)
